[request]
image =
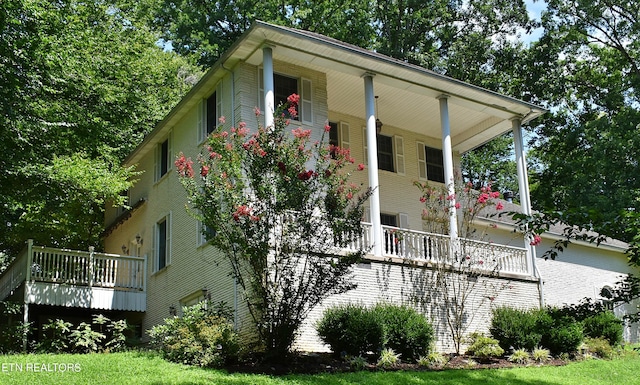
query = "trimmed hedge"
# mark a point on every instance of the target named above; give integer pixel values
(350, 329)
(355, 330)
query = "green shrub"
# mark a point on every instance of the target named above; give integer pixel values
(351, 329)
(12, 329)
(200, 338)
(604, 325)
(86, 340)
(515, 328)
(483, 346)
(433, 360)
(405, 330)
(561, 335)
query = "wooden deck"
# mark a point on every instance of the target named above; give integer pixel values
(85, 279)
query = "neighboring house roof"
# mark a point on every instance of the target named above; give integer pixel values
(556, 230)
(408, 92)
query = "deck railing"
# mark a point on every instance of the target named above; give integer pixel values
(87, 268)
(72, 267)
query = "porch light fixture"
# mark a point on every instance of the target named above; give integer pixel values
(138, 239)
(125, 250)
(378, 121)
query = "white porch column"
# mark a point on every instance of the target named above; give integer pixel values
(521, 164)
(525, 198)
(447, 154)
(267, 76)
(372, 157)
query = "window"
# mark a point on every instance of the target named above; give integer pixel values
(162, 160)
(385, 153)
(334, 138)
(283, 87)
(163, 243)
(435, 164)
(204, 233)
(210, 113)
(389, 220)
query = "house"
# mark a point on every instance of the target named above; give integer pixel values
(405, 122)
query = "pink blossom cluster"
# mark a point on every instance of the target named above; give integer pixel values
(244, 211)
(536, 240)
(184, 166)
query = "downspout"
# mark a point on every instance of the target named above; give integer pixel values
(233, 124)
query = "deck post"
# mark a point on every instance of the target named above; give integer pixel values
(91, 273)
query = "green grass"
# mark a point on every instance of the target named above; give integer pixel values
(146, 368)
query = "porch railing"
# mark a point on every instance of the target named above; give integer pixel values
(437, 248)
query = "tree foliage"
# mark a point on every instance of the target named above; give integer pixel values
(82, 83)
(279, 207)
(589, 144)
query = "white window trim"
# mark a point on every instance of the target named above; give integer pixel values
(305, 107)
(156, 243)
(202, 113)
(398, 149)
(158, 153)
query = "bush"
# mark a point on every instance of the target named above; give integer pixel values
(604, 325)
(405, 330)
(517, 329)
(351, 329)
(102, 334)
(541, 355)
(201, 337)
(483, 346)
(12, 329)
(560, 333)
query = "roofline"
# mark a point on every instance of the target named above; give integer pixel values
(535, 110)
(393, 61)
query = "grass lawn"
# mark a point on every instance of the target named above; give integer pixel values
(146, 368)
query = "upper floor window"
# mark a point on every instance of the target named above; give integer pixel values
(385, 153)
(210, 113)
(390, 152)
(283, 87)
(163, 243)
(430, 163)
(163, 162)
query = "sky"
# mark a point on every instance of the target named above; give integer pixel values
(535, 8)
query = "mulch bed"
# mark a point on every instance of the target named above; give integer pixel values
(327, 363)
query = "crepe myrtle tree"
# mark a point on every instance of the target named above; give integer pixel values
(281, 209)
(459, 283)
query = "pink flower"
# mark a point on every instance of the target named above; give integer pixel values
(451, 197)
(184, 166)
(256, 110)
(499, 206)
(536, 240)
(222, 120)
(299, 133)
(423, 199)
(293, 112)
(483, 198)
(204, 170)
(327, 128)
(360, 167)
(494, 194)
(305, 175)
(293, 99)
(457, 205)
(242, 131)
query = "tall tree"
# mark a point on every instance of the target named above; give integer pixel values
(82, 84)
(590, 144)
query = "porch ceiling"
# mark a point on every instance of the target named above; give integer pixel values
(407, 93)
